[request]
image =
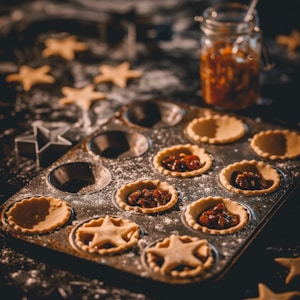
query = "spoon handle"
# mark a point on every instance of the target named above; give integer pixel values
(250, 11)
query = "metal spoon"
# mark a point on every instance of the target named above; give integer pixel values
(247, 18)
(250, 11)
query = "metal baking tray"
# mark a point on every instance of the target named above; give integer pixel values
(150, 126)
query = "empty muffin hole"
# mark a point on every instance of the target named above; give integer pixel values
(119, 144)
(153, 114)
(79, 177)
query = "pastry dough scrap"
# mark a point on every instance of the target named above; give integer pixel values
(64, 48)
(291, 42)
(38, 214)
(83, 97)
(180, 256)
(216, 129)
(29, 77)
(293, 264)
(117, 74)
(106, 235)
(266, 294)
(205, 159)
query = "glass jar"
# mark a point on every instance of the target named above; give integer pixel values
(230, 49)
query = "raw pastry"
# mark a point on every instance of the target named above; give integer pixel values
(225, 216)
(293, 264)
(276, 144)
(106, 235)
(133, 196)
(266, 294)
(117, 74)
(183, 161)
(29, 77)
(82, 97)
(65, 48)
(38, 214)
(216, 129)
(180, 256)
(292, 41)
(250, 177)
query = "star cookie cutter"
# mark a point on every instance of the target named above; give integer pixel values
(45, 144)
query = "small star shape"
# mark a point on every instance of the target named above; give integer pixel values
(178, 253)
(29, 76)
(293, 264)
(291, 41)
(65, 48)
(117, 74)
(81, 97)
(109, 233)
(266, 294)
(46, 144)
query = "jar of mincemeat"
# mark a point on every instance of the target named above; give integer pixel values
(230, 48)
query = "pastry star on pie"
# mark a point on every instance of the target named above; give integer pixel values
(29, 77)
(177, 251)
(65, 48)
(293, 264)
(106, 235)
(81, 97)
(117, 74)
(266, 294)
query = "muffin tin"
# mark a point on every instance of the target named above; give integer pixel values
(121, 152)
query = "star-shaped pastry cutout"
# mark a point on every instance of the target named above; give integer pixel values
(266, 294)
(83, 97)
(65, 48)
(178, 253)
(293, 264)
(45, 144)
(109, 232)
(29, 77)
(291, 41)
(117, 74)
